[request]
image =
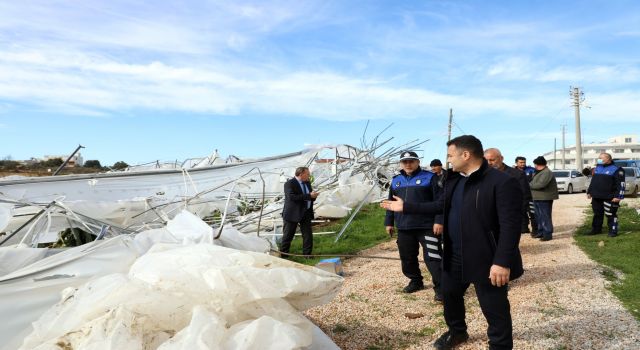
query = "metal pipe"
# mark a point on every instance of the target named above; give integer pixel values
(67, 161)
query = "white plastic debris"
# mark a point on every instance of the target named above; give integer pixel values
(197, 296)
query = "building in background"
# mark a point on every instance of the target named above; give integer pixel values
(620, 147)
(75, 161)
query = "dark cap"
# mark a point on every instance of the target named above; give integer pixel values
(435, 162)
(408, 155)
(540, 161)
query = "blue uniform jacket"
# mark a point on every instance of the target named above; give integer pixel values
(607, 182)
(420, 187)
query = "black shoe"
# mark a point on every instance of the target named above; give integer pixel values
(613, 234)
(449, 340)
(438, 298)
(544, 239)
(536, 235)
(413, 287)
(593, 232)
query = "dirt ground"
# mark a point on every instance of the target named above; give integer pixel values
(561, 302)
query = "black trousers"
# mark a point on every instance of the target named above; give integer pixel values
(601, 208)
(493, 302)
(529, 215)
(409, 242)
(289, 230)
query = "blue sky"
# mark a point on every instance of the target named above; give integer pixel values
(139, 80)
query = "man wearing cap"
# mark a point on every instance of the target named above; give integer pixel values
(606, 190)
(436, 168)
(544, 191)
(528, 211)
(415, 185)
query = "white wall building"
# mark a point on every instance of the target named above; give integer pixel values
(620, 147)
(76, 160)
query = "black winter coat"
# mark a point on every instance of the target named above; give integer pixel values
(490, 222)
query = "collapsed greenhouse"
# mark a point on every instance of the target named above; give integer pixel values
(172, 258)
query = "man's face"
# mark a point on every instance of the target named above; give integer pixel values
(605, 158)
(458, 158)
(493, 159)
(410, 165)
(539, 166)
(521, 164)
(305, 175)
(436, 169)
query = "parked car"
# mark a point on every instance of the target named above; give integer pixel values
(631, 180)
(571, 181)
(634, 163)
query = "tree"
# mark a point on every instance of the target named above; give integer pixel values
(92, 164)
(120, 165)
(52, 163)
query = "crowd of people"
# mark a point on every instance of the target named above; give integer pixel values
(468, 220)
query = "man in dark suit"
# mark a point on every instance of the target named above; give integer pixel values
(480, 241)
(298, 210)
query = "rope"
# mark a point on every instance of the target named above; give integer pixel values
(338, 256)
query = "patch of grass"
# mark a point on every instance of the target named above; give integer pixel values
(356, 297)
(339, 328)
(365, 231)
(426, 332)
(617, 254)
(409, 297)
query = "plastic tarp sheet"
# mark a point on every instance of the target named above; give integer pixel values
(14, 258)
(195, 296)
(163, 288)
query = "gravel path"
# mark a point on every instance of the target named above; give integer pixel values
(561, 302)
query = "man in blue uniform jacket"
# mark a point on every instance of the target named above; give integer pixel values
(480, 241)
(416, 185)
(606, 190)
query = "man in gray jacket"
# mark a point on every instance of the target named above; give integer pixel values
(544, 191)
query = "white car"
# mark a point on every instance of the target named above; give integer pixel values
(631, 180)
(571, 181)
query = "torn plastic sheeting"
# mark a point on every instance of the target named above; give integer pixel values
(27, 293)
(197, 292)
(14, 258)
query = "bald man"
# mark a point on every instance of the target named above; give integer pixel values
(496, 160)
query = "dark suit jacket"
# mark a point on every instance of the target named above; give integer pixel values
(295, 202)
(491, 220)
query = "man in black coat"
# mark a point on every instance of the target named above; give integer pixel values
(480, 241)
(495, 159)
(298, 210)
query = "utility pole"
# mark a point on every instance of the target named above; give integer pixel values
(446, 161)
(578, 97)
(555, 154)
(563, 146)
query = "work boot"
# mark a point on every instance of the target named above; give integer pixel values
(450, 340)
(413, 287)
(438, 298)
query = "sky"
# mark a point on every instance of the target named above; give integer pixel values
(139, 81)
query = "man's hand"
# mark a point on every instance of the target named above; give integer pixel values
(438, 229)
(390, 230)
(395, 205)
(499, 275)
(615, 200)
(314, 194)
